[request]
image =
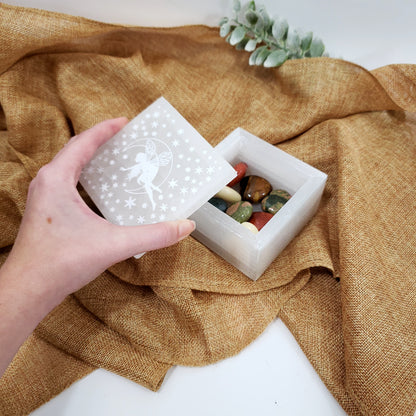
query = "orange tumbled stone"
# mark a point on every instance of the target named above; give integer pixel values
(256, 189)
(260, 219)
(241, 169)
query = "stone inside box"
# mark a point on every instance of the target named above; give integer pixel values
(253, 253)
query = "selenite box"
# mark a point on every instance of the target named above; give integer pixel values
(253, 253)
(159, 168)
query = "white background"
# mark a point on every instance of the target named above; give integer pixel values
(272, 376)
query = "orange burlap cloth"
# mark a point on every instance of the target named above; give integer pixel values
(345, 286)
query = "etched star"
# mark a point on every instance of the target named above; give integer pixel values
(130, 203)
(173, 183)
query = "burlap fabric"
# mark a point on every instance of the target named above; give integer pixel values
(345, 286)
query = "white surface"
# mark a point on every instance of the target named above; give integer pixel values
(271, 376)
(253, 253)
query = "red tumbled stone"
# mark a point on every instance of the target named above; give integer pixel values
(260, 219)
(241, 169)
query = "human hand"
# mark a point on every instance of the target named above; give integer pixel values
(61, 241)
(62, 245)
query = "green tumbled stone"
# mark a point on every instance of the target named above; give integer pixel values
(241, 211)
(275, 200)
(218, 203)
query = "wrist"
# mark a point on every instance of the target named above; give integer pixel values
(29, 287)
(23, 304)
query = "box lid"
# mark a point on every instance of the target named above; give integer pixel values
(157, 168)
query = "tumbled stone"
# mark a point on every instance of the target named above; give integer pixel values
(241, 211)
(228, 194)
(250, 227)
(218, 203)
(275, 200)
(256, 189)
(260, 219)
(241, 169)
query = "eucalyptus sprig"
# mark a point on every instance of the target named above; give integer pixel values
(270, 41)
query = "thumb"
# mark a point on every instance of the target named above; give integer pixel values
(130, 241)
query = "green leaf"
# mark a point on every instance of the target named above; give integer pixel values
(251, 45)
(293, 40)
(293, 45)
(276, 58)
(252, 17)
(252, 5)
(306, 41)
(260, 24)
(223, 20)
(236, 6)
(280, 29)
(253, 57)
(264, 52)
(317, 48)
(242, 44)
(265, 16)
(225, 29)
(237, 35)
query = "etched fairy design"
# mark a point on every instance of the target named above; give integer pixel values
(146, 169)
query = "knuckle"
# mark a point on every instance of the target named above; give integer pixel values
(43, 178)
(44, 173)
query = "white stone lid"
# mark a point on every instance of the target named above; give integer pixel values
(157, 168)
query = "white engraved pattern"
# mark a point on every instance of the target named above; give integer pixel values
(146, 172)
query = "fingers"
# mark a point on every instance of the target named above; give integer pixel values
(81, 148)
(142, 238)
